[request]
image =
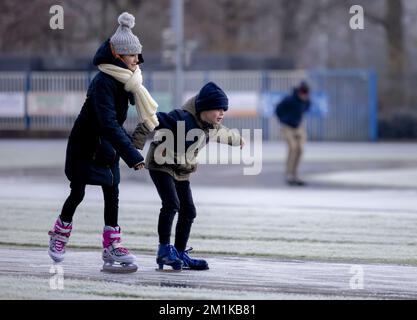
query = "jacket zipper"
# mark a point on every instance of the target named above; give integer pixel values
(112, 178)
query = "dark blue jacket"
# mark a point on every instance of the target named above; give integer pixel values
(171, 120)
(98, 139)
(291, 109)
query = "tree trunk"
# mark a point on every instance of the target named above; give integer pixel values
(396, 53)
(289, 32)
(395, 37)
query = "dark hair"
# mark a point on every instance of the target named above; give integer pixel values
(303, 87)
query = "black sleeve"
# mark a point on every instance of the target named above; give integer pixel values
(104, 107)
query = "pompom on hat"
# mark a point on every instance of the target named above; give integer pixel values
(124, 41)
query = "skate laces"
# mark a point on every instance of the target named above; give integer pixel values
(58, 240)
(114, 240)
(117, 248)
(185, 253)
(122, 250)
(60, 235)
(196, 264)
(59, 245)
(173, 251)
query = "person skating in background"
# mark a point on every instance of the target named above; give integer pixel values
(98, 140)
(205, 113)
(290, 113)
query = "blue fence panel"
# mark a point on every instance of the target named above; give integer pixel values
(349, 97)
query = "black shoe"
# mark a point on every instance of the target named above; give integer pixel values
(296, 182)
(300, 183)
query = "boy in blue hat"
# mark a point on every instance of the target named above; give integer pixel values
(170, 167)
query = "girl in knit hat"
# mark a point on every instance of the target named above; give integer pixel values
(98, 140)
(200, 117)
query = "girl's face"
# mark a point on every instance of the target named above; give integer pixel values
(212, 116)
(131, 60)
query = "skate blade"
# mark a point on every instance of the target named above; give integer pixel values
(119, 268)
(161, 269)
(168, 270)
(55, 260)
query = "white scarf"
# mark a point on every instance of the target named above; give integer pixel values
(146, 106)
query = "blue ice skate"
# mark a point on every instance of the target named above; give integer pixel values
(168, 255)
(190, 263)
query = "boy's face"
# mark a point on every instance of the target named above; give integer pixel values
(304, 95)
(131, 60)
(213, 116)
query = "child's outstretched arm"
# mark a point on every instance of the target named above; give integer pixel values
(228, 136)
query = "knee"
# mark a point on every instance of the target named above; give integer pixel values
(292, 146)
(298, 148)
(77, 195)
(188, 213)
(171, 207)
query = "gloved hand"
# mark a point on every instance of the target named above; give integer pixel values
(139, 166)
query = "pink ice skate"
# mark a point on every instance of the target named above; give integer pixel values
(117, 259)
(59, 237)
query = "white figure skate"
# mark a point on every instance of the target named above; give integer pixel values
(117, 259)
(59, 236)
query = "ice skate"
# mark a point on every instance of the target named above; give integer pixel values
(117, 259)
(59, 237)
(168, 255)
(190, 263)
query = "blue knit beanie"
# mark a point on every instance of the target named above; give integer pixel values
(211, 97)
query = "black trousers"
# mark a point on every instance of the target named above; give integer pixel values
(111, 203)
(176, 197)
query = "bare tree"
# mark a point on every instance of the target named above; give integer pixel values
(392, 23)
(298, 21)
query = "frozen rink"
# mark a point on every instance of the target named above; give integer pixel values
(351, 233)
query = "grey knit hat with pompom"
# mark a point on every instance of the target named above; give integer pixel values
(124, 41)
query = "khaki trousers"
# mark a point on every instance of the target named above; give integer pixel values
(295, 138)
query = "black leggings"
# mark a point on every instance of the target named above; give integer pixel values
(111, 203)
(176, 197)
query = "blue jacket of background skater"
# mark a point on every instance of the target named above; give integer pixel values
(291, 109)
(98, 139)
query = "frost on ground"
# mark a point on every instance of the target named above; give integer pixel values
(377, 226)
(29, 287)
(21, 288)
(228, 278)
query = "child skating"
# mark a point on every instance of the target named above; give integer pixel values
(98, 140)
(203, 114)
